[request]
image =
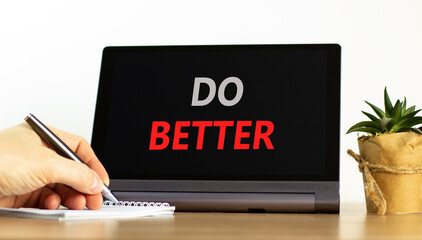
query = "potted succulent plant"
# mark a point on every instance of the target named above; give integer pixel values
(390, 158)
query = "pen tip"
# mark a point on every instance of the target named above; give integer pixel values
(109, 195)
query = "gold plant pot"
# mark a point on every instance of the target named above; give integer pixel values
(391, 165)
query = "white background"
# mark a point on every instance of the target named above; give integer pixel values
(50, 52)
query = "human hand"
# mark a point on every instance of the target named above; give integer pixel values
(34, 175)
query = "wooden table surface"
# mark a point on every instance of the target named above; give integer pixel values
(352, 223)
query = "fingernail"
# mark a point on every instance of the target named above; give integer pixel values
(96, 185)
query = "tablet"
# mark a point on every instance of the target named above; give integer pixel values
(204, 127)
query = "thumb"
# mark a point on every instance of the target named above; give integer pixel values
(75, 175)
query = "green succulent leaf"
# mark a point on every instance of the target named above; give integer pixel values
(410, 115)
(409, 122)
(365, 129)
(372, 117)
(403, 109)
(411, 109)
(384, 123)
(390, 125)
(387, 123)
(378, 111)
(395, 113)
(365, 124)
(407, 129)
(387, 103)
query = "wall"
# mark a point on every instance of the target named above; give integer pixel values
(50, 51)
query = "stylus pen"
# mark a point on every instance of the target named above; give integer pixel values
(61, 148)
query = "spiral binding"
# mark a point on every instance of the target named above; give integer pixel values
(135, 204)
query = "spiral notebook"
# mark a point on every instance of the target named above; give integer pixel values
(123, 209)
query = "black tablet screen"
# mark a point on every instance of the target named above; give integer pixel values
(219, 112)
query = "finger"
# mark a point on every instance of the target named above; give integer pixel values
(85, 152)
(82, 148)
(70, 198)
(42, 198)
(76, 200)
(94, 201)
(78, 176)
(49, 199)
